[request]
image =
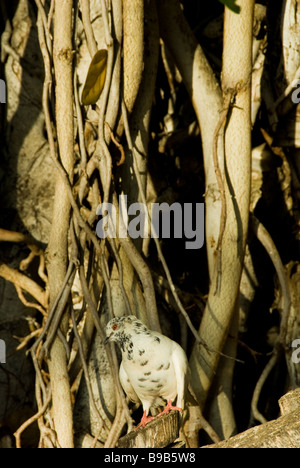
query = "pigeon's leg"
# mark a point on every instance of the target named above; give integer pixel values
(168, 408)
(145, 419)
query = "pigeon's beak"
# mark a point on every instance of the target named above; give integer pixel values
(107, 339)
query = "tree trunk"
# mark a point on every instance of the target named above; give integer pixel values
(57, 255)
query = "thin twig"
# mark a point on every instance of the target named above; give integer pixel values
(61, 300)
(116, 428)
(107, 33)
(106, 165)
(118, 145)
(86, 20)
(24, 340)
(57, 308)
(120, 270)
(105, 274)
(29, 421)
(35, 251)
(48, 436)
(50, 14)
(38, 372)
(24, 282)
(80, 127)
(221, 126)
(259, 385)
(45, 25)
(58, 311)
(27, 303)
(266, 240)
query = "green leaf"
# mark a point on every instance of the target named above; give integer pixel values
(95, 78)
(231, 5)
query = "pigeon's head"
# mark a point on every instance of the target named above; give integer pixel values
(122, 329)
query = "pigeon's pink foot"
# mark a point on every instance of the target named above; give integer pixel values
(145, 419)
(168, 408)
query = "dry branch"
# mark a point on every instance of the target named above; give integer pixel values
(133, 19)
(159, 433)
(283, 432)
(25, 283)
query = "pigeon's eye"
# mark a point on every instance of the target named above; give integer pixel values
(114, 326)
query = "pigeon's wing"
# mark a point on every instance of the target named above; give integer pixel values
(126, 384)
(180, 364)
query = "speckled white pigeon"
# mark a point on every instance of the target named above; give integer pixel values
(153, 369)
